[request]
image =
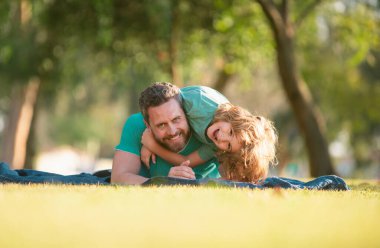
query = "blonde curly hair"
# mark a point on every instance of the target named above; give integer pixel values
(258, 138)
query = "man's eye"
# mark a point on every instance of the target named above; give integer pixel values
(177, 119)
(161, 126)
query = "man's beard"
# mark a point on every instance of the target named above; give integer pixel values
(174, 146)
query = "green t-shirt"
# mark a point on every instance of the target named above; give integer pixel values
(130, 141)
(200, 104)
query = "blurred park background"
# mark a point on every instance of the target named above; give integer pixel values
(71, 72)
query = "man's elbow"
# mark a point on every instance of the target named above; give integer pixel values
(127, 178)
(116, 178)
(119, 177)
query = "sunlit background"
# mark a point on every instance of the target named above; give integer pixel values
(71, 73)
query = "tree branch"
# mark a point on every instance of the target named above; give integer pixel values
(273, 14)
(284, 10)
(306, 11)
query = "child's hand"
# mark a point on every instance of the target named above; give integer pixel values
(145, 156)
(148, 140)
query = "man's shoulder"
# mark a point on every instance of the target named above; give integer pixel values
(138, 117)
(136, 120)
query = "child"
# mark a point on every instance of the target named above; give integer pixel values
(244, 144)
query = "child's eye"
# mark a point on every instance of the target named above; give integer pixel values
(230, 132)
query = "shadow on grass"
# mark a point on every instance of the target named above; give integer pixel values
(373, 186)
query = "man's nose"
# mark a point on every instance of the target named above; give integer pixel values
(172, 129)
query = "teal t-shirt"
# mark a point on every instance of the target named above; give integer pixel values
(200, 104)
(130, 141)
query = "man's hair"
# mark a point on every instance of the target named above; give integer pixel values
(156, 94)
(258, 138)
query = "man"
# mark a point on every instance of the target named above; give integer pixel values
(162, 112)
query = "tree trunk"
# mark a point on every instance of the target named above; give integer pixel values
(9, 134)
(22, 99)
(307, 115)
(222, 80)
(175, 70)
(18, 124)
(31, 145)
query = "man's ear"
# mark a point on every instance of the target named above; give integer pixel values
(146, 124)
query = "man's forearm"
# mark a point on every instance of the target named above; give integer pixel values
(128, 178)
(125, 168)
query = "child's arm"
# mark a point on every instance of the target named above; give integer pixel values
(174, 158)
(146, 155)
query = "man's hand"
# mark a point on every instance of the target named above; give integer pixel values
(182, 171)
(145, 156)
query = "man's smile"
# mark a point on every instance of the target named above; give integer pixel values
(174, 137)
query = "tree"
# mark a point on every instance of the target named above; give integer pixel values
(306, 113)
(19, 52)
(341, 39)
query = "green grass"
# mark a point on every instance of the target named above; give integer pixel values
(116, 216)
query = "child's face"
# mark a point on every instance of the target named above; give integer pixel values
(222, 135)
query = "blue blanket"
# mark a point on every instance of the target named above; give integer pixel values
(34, 177)
(330, 182)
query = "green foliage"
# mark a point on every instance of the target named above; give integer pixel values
(111, 50)
(236, 38)
(19, 48)
(335, 42)
(94, 57)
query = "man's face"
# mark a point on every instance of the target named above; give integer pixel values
(169, 125)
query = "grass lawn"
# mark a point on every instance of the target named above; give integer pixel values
(118, 216)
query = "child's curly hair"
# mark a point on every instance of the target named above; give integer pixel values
(258, 138)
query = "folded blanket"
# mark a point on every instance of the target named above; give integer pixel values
(330, 182)
(34, 177)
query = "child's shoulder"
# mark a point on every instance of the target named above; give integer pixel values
(198, 89)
